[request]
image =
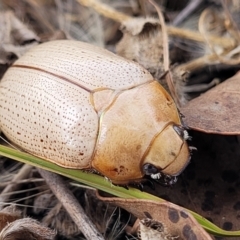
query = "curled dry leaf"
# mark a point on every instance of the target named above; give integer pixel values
(26, 228)
(8, 215)
(216, 111)
(176, 220)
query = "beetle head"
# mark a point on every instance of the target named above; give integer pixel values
(168, 154)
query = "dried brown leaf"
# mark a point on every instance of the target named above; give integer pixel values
(26, 228)
(9, 214)
(216, 111)
(175, 219)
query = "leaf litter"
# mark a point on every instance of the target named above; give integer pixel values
(201, 57)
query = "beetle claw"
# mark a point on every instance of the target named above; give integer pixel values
(167, 180)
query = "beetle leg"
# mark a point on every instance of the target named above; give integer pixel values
(167, 180)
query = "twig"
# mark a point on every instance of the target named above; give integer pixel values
(70, 203)
(225, 42)
(191, 7)
(198, 63)
(166, 53)
(22, 174)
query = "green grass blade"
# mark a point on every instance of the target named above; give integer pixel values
(103, 184)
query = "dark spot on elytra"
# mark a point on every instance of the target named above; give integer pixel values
(138, 147)
(173, 154)
(230, 176)
(188, 233)
(173, 215)
(121, 168)
(81, 154)
(183, 214)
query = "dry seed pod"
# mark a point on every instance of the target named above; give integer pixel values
(82, 107)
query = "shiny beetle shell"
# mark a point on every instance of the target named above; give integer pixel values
(80, 106)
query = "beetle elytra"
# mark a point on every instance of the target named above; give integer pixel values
(80, 106)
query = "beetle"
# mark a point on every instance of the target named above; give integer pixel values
(83, 107)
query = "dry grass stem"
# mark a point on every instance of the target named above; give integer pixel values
(70, 203)
(105, 10)
(22, 174)
(225, 42)
(166, 60)
(108, 12)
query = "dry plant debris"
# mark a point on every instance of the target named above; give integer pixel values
(175, 221)
(13, 226)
